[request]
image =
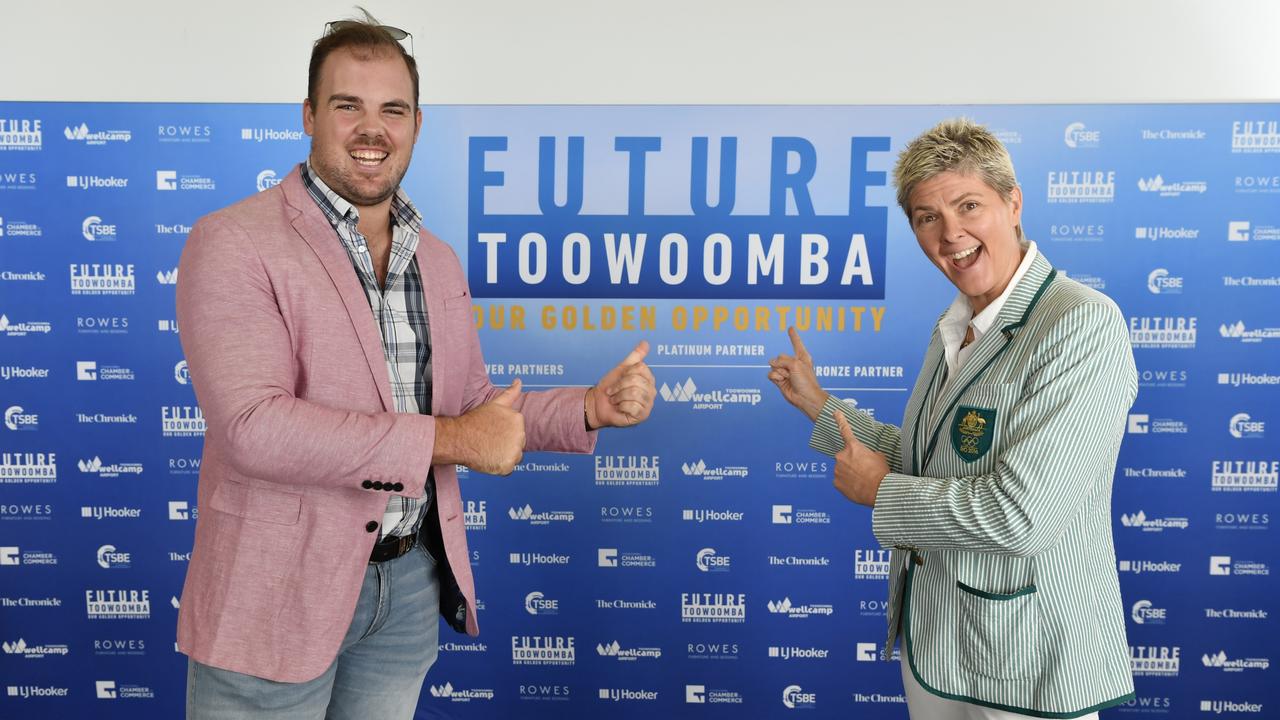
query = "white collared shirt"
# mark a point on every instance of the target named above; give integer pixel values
(960, 316)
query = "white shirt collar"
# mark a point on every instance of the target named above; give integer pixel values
(960, 315)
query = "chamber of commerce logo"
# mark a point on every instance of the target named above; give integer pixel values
(613, 558)
(1221, 662)
(21, 134)
(1077, 136)
(19, 228)
(713, 607)
(617, 652)
(171, 180)
(687, 392)
(182, 421)
(1244, 231)
(90, 371)
(707, 560)
(1160, 282)
(795, 698)
(102, 279)
(699, 469)
(1163, 332)
(108, 690)
(1224, 565)
(1155, 661)
(627, 470)
(546, 517)
(81, 133)
(28, 467)
(1082, 186)
(785, 608)
(33, 652)
(1144, 613)
(182, 510)
(1245, 475)
(1141, 521)
(541, 650)
(449, 692)
(701, 695)
(118, 604)
(1255, 136)
(789, 515)
(1238, 331)
(16, 418)
(1158, 185)
(1243, 426)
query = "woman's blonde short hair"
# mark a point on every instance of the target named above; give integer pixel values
(954, 145)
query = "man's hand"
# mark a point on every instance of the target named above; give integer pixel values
(625, 395)
(794, 376)
(488, 438)
(859, 471)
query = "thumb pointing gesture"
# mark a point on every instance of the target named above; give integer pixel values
(507, 398)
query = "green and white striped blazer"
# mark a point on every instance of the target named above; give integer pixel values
(998, 506)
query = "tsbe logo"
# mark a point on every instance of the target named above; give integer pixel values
(871, 564)
(21, 134)
(707, 560)
(20, 648)
(452, 694)
(1218, 707)
(617, 652)
(475, 514)
(267, 179)
(82, 133)
(95, 466)
(614, 558)
(1137, 567)
(182, 421)
(1144, 613)
(1221, 662)
(1082, 186)
(28, 467)
(1172, 333)
(1140, 520)
(535, 603)
(702, 695)
(118, 604)
(795, 698)
(713, 607)
(785, 608)
(1160, 282)
(94, 229)
(1245, 475)
(699, 469)
(1254, 136)
(1162, 188)
(688, 392)
(627, 470)
(109, 558)
(546, 517)
(181, 373)
(1238, 331)
(1155, 660)
(534, 558)
(1242, 426)
(789, 515)
(16, 418)
(102, 279)
(624, 694)
(1078, 137)
(541, 650)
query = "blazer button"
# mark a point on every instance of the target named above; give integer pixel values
(377, 484)
(367, 484)
(371, 526)
(398, 487)
(919, 560)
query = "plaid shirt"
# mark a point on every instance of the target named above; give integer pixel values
(401, 314)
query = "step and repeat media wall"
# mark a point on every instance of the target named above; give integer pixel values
(701, 564)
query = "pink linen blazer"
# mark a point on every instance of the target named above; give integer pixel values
(288, 367)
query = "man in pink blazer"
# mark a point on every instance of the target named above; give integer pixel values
(332, 348)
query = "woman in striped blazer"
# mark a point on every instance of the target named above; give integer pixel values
(995, 494)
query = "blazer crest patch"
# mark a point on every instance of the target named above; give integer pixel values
(972, 431)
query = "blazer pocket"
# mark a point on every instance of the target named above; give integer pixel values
(257, 503)
(999, 633)
(458, 301)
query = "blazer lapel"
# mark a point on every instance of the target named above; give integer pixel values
(315, 230)
(435, 317)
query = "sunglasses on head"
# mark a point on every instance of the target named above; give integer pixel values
(395, 32)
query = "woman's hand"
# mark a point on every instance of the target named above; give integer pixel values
(794, 376)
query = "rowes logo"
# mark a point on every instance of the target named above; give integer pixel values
(109, 558)
(452, 694)
(1077, 137)
(798, 612)
(28, 467)
(1217, 707)
(22, 329)
(1156, 232)
(613, 558)
(1164, 189)
(182, 421)
(713, 651)
(95, 467)
(270, 134)
(184, 133)
(1223, 565)
(1077, 232)
(1245, 475)
(167, 277)
(1144, 613)
(1244, 335)
(713, 607)
(687, 392)
(788, 515)
(532, 558)
(1160, 282)
(23, 134)
(871, 564)
(1137, 567)
(1220, 662)
(621, 654)
(1082, 186)
(32, 652)
(15, 418)
(1242, 520)
(81, 133)
(535, 603)
(621, 694)
(708, 561)
(1155, 661)
(102, 279)
(546, 517)
(626, 514)
(795, 698)
(1163, 332)
(541, 650)
(627, 470)
(798, 653)
(1252, 136)
(475, 514)
(26, 511)
(700, 695)
(544, 693)
(1140, 520)
(700, 469)
(1242, 426)
(118, 604)
(1162, 378)
(1257, 184)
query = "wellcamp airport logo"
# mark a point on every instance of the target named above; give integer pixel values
(688, 392)
(785, 608)
(1139, 520)
(1159, 186)
(448, 692)
(1220, 661)
(617, 652)
(20, 648)
(699, 469)
(95, 466)
(1238, 331)
(81, 133)
(526, 514)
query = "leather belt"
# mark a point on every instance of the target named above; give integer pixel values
(392, 547)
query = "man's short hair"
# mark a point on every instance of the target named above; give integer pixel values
(366, 38)
(954, 145)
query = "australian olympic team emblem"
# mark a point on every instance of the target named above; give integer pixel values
(972, 431)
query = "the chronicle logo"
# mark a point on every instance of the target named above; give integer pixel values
(688, 392)
(182, 421)
(871, 564)
(1242, 426)
(109, 558)
(1221, 662)
(785, 608)
(475, 514)
(1158, 185)
(1155, 660)
(449, 692)
(546, 517)
(541, 650)
(1245, 475)
(713, 607)
(1254, 136)
(1082, 186)
(118, 604)
(1144, 613)
(1077, 136)
(82, 133)
(613, 558)
(20, 648)
(627, 470)
(1163, 332)
(28, 467)
(708, 560)
(617, 652)
(21, 134)
(789, 515)
(699, 469)
(1140, 520)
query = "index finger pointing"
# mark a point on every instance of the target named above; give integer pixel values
(801, 352)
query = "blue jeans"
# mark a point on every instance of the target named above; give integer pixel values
(378, 672)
